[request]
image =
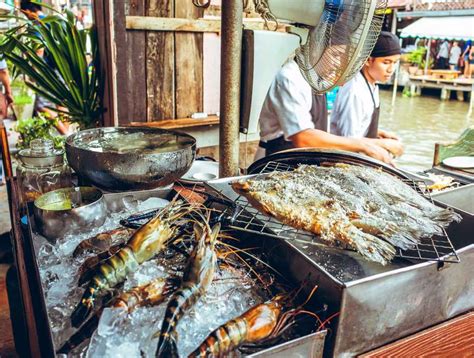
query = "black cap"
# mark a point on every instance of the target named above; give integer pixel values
(387, 45)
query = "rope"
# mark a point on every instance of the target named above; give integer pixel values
(261, 7)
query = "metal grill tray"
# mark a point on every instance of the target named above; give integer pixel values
(437, 248)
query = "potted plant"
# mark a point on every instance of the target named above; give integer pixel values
(38, 127)
(65, 78)
(416, 58)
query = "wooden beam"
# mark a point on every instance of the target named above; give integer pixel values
(189, 25)
(169, 24)
(179, 123)
(188, 65)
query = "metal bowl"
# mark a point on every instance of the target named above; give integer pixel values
(69, 211)
(135, 158)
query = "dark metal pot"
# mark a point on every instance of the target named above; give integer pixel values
(111, 159)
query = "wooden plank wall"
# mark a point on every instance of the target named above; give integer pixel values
(159, 74)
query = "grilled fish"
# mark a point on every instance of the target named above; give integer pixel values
(365, 209)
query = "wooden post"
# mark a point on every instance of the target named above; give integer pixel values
(132, 88)
(189, 67)
(103, 11)
(427, 59)
(471, 102)
(445, 94)
(395, 81)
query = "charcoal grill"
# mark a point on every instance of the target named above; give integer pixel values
(377, 304)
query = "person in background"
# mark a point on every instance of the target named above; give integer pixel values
(6, 96)
(471, 62)
(293, 116)
(454, 54)
(357, 107)
(465, 58)
(33, 12)
(443, 55)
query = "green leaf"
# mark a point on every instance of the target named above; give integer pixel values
(64, 78)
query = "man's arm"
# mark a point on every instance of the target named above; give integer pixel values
(5, 79)
(320, 139)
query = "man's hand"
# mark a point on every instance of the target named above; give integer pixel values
(393, 146)
(386, 135)
(377, 152)
(9, 98)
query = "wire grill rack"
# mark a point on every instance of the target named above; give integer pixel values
(249, 219)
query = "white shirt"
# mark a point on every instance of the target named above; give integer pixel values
(287, 107)
(353, 108)
(444, 49)
(3, 64)
(454, 55)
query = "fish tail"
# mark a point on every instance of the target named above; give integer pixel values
(374, 249)
(445, 216)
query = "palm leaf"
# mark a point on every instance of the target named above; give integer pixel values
(63, 79)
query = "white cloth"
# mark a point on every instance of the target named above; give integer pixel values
(353, 108)
(286, 110)
(454, 55)
(3, 64)
(444, 50)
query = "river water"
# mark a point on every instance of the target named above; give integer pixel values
(420, 122)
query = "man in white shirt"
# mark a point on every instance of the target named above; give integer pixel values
(293, 116)
(454, 55)
(357, 105)
(443, 55)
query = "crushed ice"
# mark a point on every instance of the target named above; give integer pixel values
(132, 335)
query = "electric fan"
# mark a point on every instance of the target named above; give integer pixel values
(341, 38)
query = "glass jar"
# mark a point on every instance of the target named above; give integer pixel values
(41, 168)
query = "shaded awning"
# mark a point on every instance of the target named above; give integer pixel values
(451, 28)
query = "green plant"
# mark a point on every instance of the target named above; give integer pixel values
(417, 57)
(22, 99)
(62, 75)
(38, 127)
(430, 63)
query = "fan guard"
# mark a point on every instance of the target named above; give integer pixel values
(337, 48)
